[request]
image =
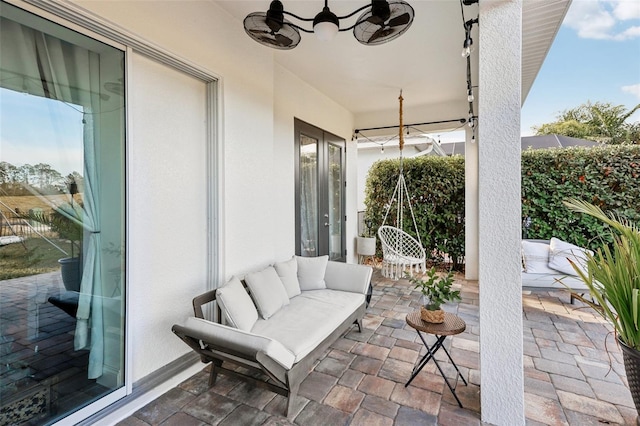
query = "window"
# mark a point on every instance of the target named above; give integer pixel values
(62, 281)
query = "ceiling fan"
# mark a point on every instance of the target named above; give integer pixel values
(384, 22)
(271, 29)
(381, 21)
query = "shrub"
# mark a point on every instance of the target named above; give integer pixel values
(607, 176)
(436, 190)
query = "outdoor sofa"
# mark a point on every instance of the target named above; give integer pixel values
(545, 265)
(277, 321)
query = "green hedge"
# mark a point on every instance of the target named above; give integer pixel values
(608, 176)
(436, 188)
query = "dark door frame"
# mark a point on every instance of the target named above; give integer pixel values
(324, 139)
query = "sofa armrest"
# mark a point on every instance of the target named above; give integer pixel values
(348, 277)
(235, 340)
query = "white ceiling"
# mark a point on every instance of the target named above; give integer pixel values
(425, 62)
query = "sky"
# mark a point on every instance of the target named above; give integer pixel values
(595, 57)
(50, 132)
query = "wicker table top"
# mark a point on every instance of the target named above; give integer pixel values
(452, 324)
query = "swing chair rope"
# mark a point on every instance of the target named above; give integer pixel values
(400, 250)
(401, 187)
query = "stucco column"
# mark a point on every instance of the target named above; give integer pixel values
(499, 210)
(470, 207)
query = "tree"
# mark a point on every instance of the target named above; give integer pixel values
(45, 177)
(602, 122)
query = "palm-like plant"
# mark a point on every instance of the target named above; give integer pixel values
(613, 274)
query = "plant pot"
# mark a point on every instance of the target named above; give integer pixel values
(631, 359)
(366, 246)
(70, 271)
(434, 317)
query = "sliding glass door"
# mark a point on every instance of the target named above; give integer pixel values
(62, 288)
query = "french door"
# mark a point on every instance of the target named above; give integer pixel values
(320, 183)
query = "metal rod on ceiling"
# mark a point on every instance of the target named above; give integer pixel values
(457, 120)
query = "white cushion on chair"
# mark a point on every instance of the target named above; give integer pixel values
(288, 273)
(311, 272)
(237, 305)
(240, 341)
(268, 291)
(561, 251)
(535, 256)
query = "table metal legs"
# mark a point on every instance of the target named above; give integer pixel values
(431, 351)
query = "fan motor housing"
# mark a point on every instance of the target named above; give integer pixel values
(380, 9)
(275, 17)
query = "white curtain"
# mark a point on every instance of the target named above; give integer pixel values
(43, 65)
(309, 202)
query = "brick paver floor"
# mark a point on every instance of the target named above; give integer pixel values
(569, 376)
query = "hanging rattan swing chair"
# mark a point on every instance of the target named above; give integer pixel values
(401, 252)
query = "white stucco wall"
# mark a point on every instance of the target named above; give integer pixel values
(166, 204)
(296, 99)
(258, 101)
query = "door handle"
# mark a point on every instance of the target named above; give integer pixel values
(326, 224)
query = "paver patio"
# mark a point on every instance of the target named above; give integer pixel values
(360, 379)
(36, 348)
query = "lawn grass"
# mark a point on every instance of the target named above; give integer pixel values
(23, 203)
(38, 257)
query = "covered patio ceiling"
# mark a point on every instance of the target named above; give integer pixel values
(425, 62)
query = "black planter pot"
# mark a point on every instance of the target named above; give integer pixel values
(70, 271)
(631, 359)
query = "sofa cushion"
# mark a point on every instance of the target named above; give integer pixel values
(348, 277)
(288, 273)
(556, 280)
(267, 290)
(311, 272)
(239, 341)
(236, 304)
(535, 258)
(559, 253)
(309, 319)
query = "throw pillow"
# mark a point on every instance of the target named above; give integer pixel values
(535, 256)
(267, 291)
(237, 305)
(561, 251)
(288, 273)
(311, 272)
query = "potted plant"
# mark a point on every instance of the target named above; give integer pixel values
(366, 243)
(612, 274)
(435, 291)
(66, 222)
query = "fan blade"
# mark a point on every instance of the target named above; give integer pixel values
(399, 20)
(283, 40)
(268, 40)
(382, 32)
(375, 20)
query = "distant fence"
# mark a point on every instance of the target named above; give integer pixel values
(24, 224)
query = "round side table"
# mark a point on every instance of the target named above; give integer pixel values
(451, 326)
